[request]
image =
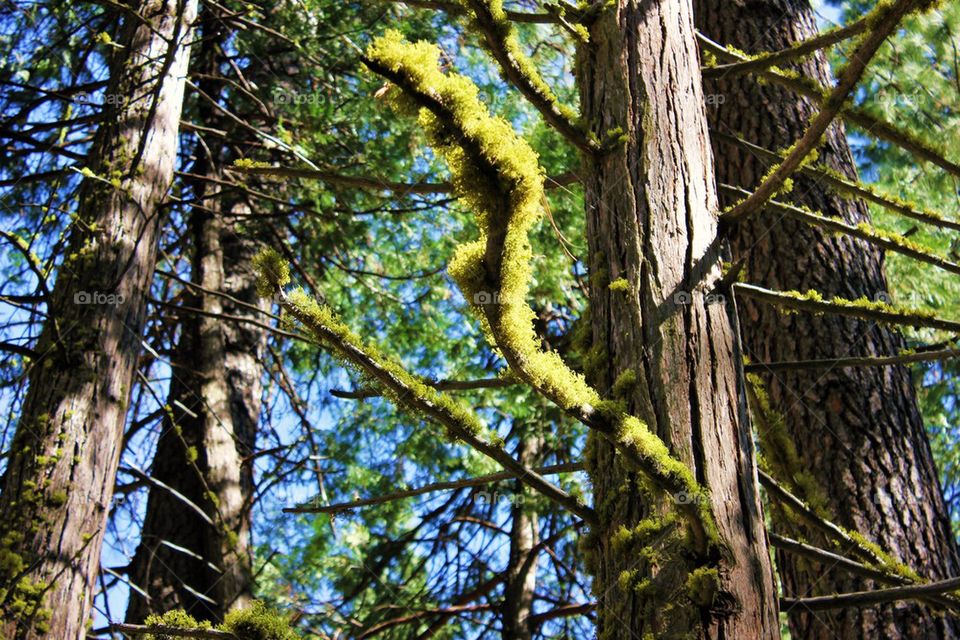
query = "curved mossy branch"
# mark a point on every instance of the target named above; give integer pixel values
(884, 239)
(845, 187)
(884, 19)
(813, 302)
(871, 124)
(502, 43)
(498, 176)
(400, 386)
(763, 61)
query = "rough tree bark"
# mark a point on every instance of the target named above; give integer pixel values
(62, 465)
(651, 208)
(203, 564)
(857, 432)
(521, 583)
(205, 443)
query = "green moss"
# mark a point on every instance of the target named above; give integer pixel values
(703, 585)
(247, 163)
(620, 284)
(624, 383)
(272, 272)
(497, 175)
(176, 618)
(258, 622)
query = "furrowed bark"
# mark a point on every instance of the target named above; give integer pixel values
(857, 431)
(651, 221)
(62, 465)
(183, 561)
(521, 582)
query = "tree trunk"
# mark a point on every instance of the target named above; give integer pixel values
(185, 560)
(651, 220)
(62, 465)
(861, 449)
(521, 583)
(214, 405)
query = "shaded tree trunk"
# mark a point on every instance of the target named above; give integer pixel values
(521, 583)
(861, 449)
(200, 559)
(202, 563)
(651, 220)
(62, 465)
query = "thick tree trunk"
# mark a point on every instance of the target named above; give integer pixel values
(651, 220)
(857, 432)
(202, 563)
(62, 465)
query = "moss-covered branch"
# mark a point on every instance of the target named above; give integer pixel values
(845, 187)
(403, 388)
(907, 357)
(883, 20)
(813, 302)
(497, 175)
(502, 43)
(884, 239)
(763, 61)
(871, 124)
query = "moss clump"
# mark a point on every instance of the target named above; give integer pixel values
(272, 270)
(247, 163)
(620, 284)
(176, 618)
(258, 622)
(703, 585)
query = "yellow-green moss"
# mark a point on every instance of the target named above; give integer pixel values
(620, 284)
(258, 622)
(272, 272)
(703, 585)
(497, 175)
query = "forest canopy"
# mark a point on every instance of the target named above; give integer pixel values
(509, 319)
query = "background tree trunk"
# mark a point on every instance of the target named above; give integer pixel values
(63, 462)
(522, 567)
(857, 432)
(203, 563)
(651, 220)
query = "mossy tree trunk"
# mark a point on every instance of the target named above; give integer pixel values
(651, 208)
(858, 435)
(185, 560)
(62, 465)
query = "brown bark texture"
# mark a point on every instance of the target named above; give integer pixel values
(195, 552)
(60, 474)
(663, 346)
(861, 449)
